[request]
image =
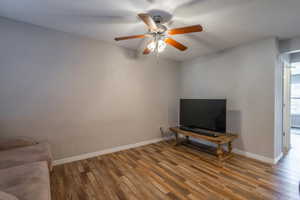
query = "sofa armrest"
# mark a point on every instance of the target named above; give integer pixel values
(7, 196)
(25, 155)
(7, 144)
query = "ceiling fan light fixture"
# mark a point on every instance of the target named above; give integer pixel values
(151, 46)
(161, 46)
(159, 34)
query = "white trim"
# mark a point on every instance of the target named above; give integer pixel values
(276, 160)
(143, 143)
(286, 105)
(258, 157)
(105, 151)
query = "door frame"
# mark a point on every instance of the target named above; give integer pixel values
(286, 103)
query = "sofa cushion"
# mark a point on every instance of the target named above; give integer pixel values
(27, 182)
(6, 196)
(20, 156)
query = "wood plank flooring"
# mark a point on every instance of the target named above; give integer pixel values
(162, 171)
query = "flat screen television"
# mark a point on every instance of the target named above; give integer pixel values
(208, 114)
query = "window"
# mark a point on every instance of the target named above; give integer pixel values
(295, 89)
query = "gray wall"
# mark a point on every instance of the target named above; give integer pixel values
(245, 76)
(81, 95)
(84, 95)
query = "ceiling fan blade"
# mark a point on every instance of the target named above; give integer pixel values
(130, 37)
(175, 44)
(148, 21)
(184, 30)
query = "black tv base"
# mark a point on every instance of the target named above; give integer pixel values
(200, 131)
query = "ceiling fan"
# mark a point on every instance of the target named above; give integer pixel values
(159, 34)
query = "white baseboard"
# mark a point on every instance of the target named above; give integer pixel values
(258, 157)
(129, 146)
(105, 151)
(276, 160)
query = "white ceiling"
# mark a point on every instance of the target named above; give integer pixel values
(227, 23)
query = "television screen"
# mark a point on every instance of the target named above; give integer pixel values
(209, 114)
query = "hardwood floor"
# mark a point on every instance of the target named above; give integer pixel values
(161, 171)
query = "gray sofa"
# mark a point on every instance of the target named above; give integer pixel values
(24, 170)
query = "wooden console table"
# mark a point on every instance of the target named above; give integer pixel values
(222, 139)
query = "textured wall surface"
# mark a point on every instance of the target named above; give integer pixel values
(81, 95)
(245, 76)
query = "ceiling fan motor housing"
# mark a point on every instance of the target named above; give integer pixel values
(157, 19)
(160, 16)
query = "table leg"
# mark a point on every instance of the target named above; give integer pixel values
(229, 147)
(176, 139)
(187, 138)
(219, 152)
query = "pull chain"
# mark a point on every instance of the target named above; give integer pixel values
(156, 47)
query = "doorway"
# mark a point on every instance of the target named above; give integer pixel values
(286, 102)
(291, 113)
(295, 105)
(291, 106)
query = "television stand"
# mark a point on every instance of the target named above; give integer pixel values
(200, 131)
(221, 139)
